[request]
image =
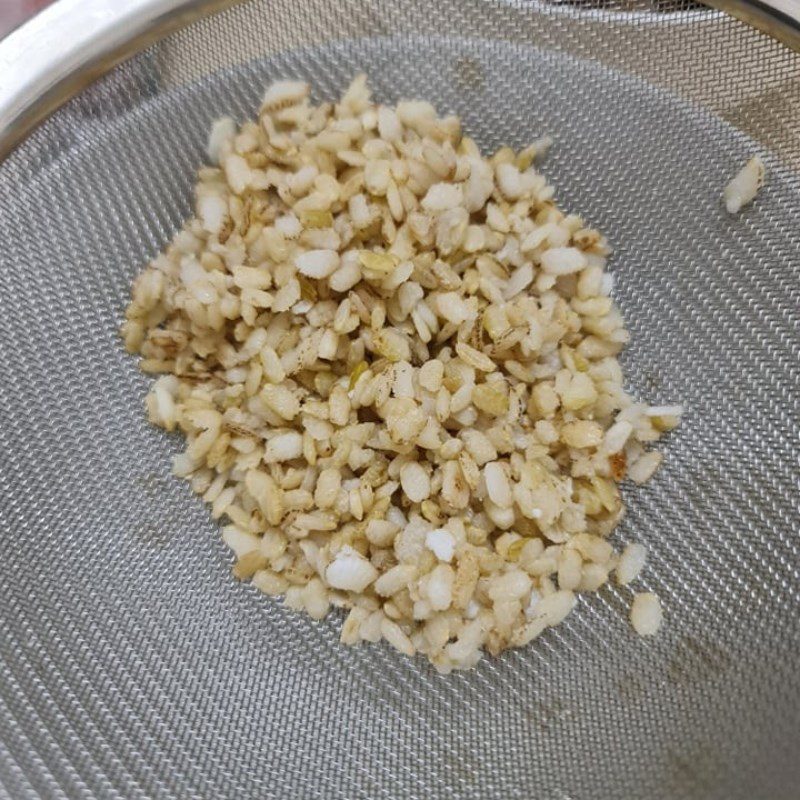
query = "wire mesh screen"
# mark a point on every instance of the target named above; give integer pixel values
(134, 667)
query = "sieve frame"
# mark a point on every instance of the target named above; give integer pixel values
(64, 48)
(415, 705)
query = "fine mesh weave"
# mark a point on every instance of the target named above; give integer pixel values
(133, 666)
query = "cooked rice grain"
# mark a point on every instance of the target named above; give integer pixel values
(394, 364)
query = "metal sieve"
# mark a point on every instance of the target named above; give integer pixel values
(134, 667)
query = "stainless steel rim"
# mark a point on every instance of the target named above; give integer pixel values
(778, 18)
(71, 43)
(52, 57)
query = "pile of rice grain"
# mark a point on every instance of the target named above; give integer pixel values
(395, 365)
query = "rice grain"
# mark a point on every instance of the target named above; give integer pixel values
(394, 364)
